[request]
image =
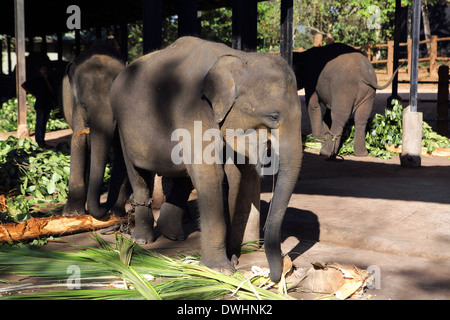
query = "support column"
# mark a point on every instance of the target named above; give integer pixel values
(60, 45)
(8, 43)
(151, 11)
(442, 105)
(394, 94)
(188, 22)
(245, 25)
(286, 41)
(19, 14)
(412, 120)
(77, 42)
(124, 41)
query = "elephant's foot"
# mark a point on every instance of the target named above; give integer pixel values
(361, 152)
(143, 232)
(326, 151)
(224, 265)
(170, 222)
(142, 236)
(73, 210)
(331, 146)
(98, 213)
(118, 211)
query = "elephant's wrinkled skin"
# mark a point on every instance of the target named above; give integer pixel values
(343, 79)
(85, 99)
(195, 80)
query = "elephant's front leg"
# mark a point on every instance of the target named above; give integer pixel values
(76, 200)
(101, 140)
(207, 179)
(244, 205)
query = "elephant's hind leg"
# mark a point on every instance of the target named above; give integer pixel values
(142, 185)
(341, 108)
(170, 220)
(362, 114)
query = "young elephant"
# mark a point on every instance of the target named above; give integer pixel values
(343, 79)
(201, 92)
(85, 95)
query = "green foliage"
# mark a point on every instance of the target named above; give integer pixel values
(31, 176)
(147, 275)
(8, 116)
(216, 25)
(386, 130)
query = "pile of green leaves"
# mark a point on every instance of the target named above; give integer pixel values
(386, 130)
(382, 130)
(125, 270)
(8, 116)
(31, 176)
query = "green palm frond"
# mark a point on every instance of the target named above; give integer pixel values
(148, 274)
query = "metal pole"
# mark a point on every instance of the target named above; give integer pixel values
(415, 55)
(19, 13)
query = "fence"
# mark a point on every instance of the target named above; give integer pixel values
(432, 54)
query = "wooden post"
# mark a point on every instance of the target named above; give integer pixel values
(60, 45)
(442, 105)
(44, 44)
(124, 41)
(390, 58)
(244, 25)
(188, 22)
(433, 56)
(151, 11)
(318, 38)
(286, 21)
(19, 14)
(396, 55)
(77, 42)
(8, 43)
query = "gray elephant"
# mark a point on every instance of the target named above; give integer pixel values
(195, 92)
(85, 100)
(343, 79)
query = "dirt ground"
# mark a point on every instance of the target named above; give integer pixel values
(363, 212)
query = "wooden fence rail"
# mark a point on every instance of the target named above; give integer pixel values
(389, 61)
(432, 56)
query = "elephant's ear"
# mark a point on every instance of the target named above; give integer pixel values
(219, 86)
(70, 71)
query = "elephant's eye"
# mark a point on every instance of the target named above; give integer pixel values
(274, 116)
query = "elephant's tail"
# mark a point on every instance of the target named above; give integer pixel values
(384, 86)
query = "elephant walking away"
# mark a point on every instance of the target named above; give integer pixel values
(85, 99)
(170, 105)
(343, 79)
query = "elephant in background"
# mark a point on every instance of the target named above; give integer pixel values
(195, 86)
(85, 100)
(343, 79)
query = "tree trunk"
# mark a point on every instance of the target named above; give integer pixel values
(36, 228)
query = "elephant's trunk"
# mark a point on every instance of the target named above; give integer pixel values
(290, 156)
